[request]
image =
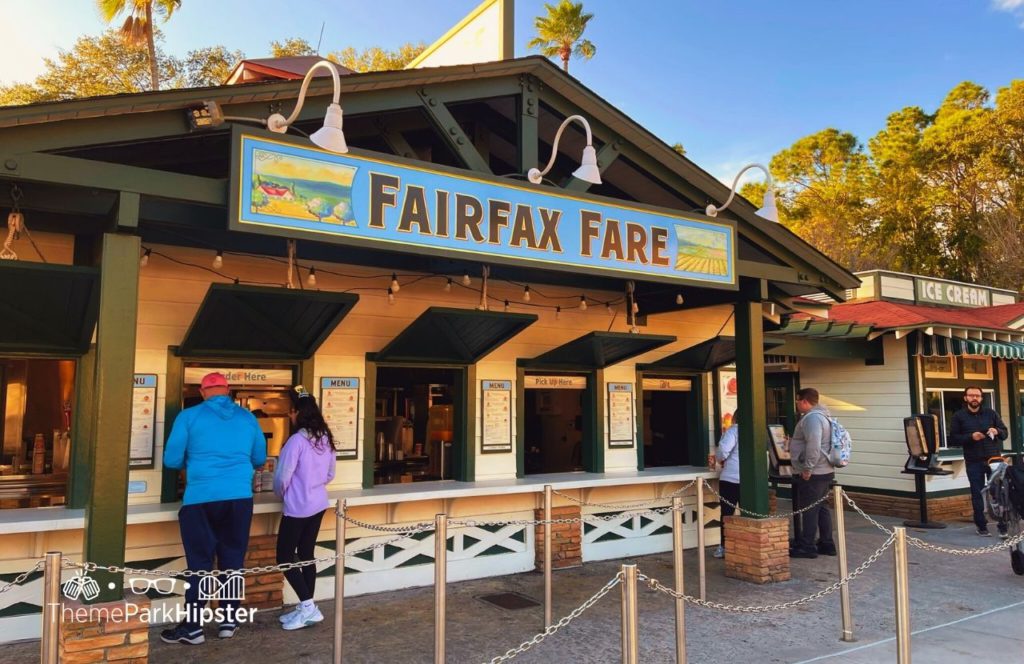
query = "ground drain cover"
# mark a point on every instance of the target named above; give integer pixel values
(509, 601)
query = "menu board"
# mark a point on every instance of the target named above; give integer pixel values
(620, 414)
(728, 399)
(496, 409)
(143, 421)
(339, 403)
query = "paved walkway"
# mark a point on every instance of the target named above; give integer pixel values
(963, 610)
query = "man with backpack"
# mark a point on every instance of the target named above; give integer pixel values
(810, 447)
(980, 432)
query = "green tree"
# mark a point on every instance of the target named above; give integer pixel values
(678, 147)
(204, 67)
(376, 58)
(561, 32)
(138, 25)
(291, 47)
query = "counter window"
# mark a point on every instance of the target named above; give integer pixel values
(37, 397)
(667, 408)
(554, 423)
(977, 368)
(939, 367)
(946, 402)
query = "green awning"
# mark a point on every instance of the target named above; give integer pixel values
(598, 350)
(453, 336)
(927, 345)
(48, 309)
(261, 322)
(707, 355)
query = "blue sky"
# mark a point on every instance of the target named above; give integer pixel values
(734, 81)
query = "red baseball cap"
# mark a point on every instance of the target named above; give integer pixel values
(215, 379)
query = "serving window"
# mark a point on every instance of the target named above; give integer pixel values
(939, 366)
(944, 402)
(977, 367)
(553, 426)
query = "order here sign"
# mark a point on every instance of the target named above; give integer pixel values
(365, 199)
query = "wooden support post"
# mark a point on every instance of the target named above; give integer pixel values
(751, 414)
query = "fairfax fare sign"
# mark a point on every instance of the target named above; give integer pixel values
(365, 199)
(943, 292)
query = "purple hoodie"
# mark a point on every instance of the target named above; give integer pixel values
(302, 475)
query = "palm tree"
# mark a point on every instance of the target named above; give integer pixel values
(138, 26)
(561, 32)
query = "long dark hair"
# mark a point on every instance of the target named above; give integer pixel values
(309, 417)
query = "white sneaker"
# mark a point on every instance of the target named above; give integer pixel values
(299, 619)
(287, 615)
(718, 552)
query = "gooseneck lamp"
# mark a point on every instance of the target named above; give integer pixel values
(588, 171)
(768, 210)
(330, 136)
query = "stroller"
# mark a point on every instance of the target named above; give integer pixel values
(1004, 502)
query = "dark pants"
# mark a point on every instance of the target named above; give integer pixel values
(729, 491)
(219, 528)
(978, 472)
(816, 526)
(295, 541)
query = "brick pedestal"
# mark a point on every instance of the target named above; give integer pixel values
(263, 591)
(104, 632)
(756, 550)
(946, 508)
(566, 539)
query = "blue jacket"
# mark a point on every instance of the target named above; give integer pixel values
(218, 444)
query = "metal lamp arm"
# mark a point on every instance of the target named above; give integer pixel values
(322, 64)
(558, 137)
(713, 211)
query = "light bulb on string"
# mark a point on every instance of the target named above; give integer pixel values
(506, 306)
(558, 312)
(608, 308)
(526, 294)
(311, 279)
(448, 285)
(466, 281)
(395, 286)
(218, 260)
(391, 296)
(679, 298)
(144, 261)
(583, 302)
(636, 308)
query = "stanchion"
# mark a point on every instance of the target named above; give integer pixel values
(700, 539)
(630, 633)
(547, 556)
(339, 577)
(51, 607)
(677, 565)
(440, 579)
(844, 591)
(902, 593)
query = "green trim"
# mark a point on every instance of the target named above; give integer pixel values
(916, 373)
(1016, 421)
(528, 140)
(593, 426)
(448, 127)
(520, 440)
(369, 421)
(465, 470)
(751, 410)
(173, 403)
(861, 349)
(79, 483)
(638, 410)
(107, 509)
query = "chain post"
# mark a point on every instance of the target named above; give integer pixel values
(547, 556)
(630, 645)
(51, 608)
(844, 592)
(677, 565)
(700, 540)
(339, 577)
(440, 579)
(901, 588)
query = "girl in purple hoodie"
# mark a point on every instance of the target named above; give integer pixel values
(304, 470)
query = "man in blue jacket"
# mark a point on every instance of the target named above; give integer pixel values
(218, 443)
(981, 432)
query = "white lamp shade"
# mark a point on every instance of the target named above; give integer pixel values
(588, 171)
(768, 210)
(330, 136)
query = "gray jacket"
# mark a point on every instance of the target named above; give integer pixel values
(810, 442)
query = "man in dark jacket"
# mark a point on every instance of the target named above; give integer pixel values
(980, 432)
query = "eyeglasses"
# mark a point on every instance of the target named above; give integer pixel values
(163, 585)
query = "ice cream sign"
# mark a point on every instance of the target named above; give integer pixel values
(365, 199)
(960, 295)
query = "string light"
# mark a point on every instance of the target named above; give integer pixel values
(448, 285)
(394, 283)
(526, 294)
(218, 260)
(391, 296)
(465, 278)
(583, 302)
(608, 308)
(311, 279)
(558, 312)
(144, 261)
(506, 306)
(679, 298)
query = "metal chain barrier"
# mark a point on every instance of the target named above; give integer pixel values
(419, 527)
(777, 515)
(629, 506)
(20, 579)
(575, 613)
(654, 584)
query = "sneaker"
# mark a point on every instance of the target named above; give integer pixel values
(303, 618)
(826, 549)
(1003, 534)
(226, 630)
(287, 615)
(800, 553)
(719, 552)
(183, 634)
(983, 532)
